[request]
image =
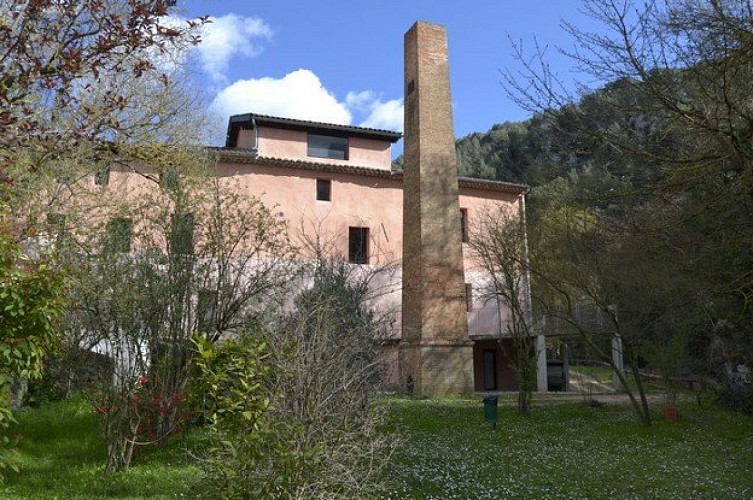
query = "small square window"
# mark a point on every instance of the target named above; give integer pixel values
(464, 224)
(324, 190)
(56, 223)
(102, 176)
(169, 178)
(119, 232)
(358, 245)
(206, 310)
(327, 146)
(66, 179)
(181, 235)
(56, 219)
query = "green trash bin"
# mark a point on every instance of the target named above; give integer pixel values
(490, 410)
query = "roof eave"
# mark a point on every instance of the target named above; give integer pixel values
(233, 155)
(292, 123)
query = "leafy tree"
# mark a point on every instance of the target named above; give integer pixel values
(75, 74)
(578, 288)
(194, 254)
(31, 299)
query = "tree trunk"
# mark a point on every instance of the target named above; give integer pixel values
(18, 389)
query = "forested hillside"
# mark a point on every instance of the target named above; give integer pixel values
(552, 144)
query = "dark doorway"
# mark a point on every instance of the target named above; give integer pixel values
(494, 357)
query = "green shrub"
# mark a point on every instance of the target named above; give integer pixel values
(31, 297)
(249, 456)
(290, 404)
(72, 371)
(737, 400)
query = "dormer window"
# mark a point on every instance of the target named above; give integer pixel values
(327, 146)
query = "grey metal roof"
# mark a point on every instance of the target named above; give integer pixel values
(246, 119)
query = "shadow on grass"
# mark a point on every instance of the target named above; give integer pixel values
(60, 430)
(60, 455)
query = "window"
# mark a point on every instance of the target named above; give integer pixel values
(65, 179)
(206, 310)
(56, 220)
(468, 297)
(181, 235)
(464, 224)
(102, 176)
(358, 245)
(169, 178)
(326, 146)
(56, 223)
(119, 232)
(323, 190)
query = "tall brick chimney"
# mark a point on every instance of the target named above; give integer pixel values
(437, 355)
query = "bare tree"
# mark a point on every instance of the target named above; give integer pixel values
(588, 280)
(192, 254)
(498, 241)
(675, 101)
(68, 66)
(329, 381)
(298, 420)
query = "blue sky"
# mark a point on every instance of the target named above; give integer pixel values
(342, 61)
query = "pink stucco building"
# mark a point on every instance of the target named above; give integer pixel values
(337, 182)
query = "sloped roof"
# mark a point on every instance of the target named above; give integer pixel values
(246, 156)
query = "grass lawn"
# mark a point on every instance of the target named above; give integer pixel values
(564, 450)
(568, 450)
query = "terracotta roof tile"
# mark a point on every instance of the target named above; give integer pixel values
(245, 156)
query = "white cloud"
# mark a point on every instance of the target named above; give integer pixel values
(379, 114)
(386, 115)
(299, 94)
(360, 100)
(227, 37)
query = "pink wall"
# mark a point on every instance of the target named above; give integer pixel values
(292, 144)
(357, 201)
(479, 201)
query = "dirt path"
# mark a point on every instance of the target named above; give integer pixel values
(582, 383)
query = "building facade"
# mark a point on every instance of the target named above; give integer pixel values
(335, 189)
(335, 184)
